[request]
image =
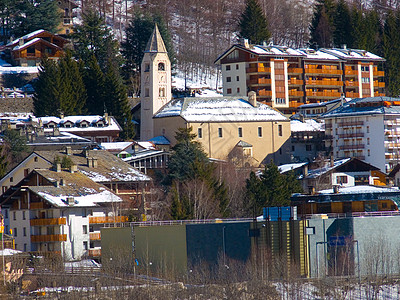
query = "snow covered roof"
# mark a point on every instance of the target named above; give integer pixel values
(243, 144)
(25, 37)
(117, 146)
(366, 106)
(289, 167)
(307, 125)
(32, 42)
(361, 189)
(314, 173)
(9, 252)
(227, 109)
(355, 54)
(312, 54)
(109, 167)
(146, 145)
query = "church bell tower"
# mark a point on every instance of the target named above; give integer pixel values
(155, 89)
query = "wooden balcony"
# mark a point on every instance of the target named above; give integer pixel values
(260, 81)
(323, 94)
(351, 83)
(295, 81)
(296, 93)
(377, 94)
(103, 220)
(379, 73)
(36, 205)
(48, 222)
(265, 93)
(350, 72)
(325, 82)
(295, 70)
(352, 95)
(323, 71)
(295, 104)
(95, 236)
(258, 70)
(49, 238)
(347, 124)
(351, 147)
(379, 84)
(351, 135)
(95, 252)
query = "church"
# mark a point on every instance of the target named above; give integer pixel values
(239, 129)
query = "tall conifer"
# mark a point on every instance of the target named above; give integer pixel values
(253, 24)
(321, 27)
(94, 82)
(343, 31)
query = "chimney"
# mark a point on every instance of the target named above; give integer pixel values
(40, 123)
(252, 98)
(305, 170)
(107, 118)
(86, 153)
(70, 200)
(58, 167)
(332, 162)
(61, 115)
(21, 42)
(68, 150)
(344, 46)
(89, 162)
(56, 184)
(56, 131)
(73, 169)
(336, 189)
(94, 162)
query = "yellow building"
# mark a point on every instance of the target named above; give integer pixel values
(240, 129)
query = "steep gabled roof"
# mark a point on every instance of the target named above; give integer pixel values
(156, 43)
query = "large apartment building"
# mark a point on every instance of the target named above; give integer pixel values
(286, 78)
(368, 129)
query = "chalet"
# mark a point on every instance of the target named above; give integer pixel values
(60, 212)
(67, 8)
(326, 174)
(120, 149)
(31, 48)
(99, 165)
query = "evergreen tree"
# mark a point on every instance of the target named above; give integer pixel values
(93, 37)
(15, 145)
(271, 189)
(138, 33)
(33, 15)
(116, 101)
(253, 24)
(343, 31)
(94, 82)
(3, 162)
(391, 49)
(45, 98)
(321, 27)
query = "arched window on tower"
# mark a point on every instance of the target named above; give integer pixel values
(161, 92)
(161, 67)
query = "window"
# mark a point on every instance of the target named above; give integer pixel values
(161, 92)
(228, 79)
(4, 189)
(365, 68)
(91, 229)
(147, 67)
(6, 229)
(367, 141)
(280, 101)
(24, 231)
(11, 179)
(30, 50)
(14, 215)
(259, 131)
(161, 67)
(237, 78)
(308, 147)
(365, 79)
(84, 229)
(280, 132)
(237, 67)
(238, 90)
(229, 91)
(220, 132)
(228, 68)
(146, 92)
(341, 179)
(91, 244)
(15, 234)
(369, 152)
(293, 148)
(85, 245)
(280, 151)
(25, 248)
(35, 159)
(367, 129)
(6, 214)
(23, 215)
(199, 133)
(240, 132)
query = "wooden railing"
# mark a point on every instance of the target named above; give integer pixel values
(352, 95)
(323, 94)
(350, 72)
(49, 238)
(350, 123)
(296, 81)
(379, 73)
(265, 93)
(296, 93)
(325, 82)
(379, 84)
(351, 83)
(102, 220)
(95, 252)
(324, 71)
(95, 236)
(47, 222)
(295, 70)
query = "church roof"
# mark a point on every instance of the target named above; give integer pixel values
(227, 109)
(156, 43)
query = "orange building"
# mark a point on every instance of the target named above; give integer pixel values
(29, 49)
(286, 78)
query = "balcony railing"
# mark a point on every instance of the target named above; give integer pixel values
(102, 220)
(325, 82)
(258, 70)
(295, 70)
(295, 81)
(95, 252)
(379, 73)
(350, 72)
(265, 93)
(350, 123)
(351, 147)
(295, 104)
(48, 222)
(95, 236)
(351, 135)
(296, 93)
(379, 84)
(323, 71)
(49, 238)
(323, 94)
(351, 83)
(352, 95)
(260, 81)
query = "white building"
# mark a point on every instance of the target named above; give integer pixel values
(368, 129)
(60, 212)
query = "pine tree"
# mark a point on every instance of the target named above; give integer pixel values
(3, 161)
(343, 31)
(94, 82)
(391, 48)
(116, 101)
(253, 24)
(45, 98)
(321, 27)
(93, 37)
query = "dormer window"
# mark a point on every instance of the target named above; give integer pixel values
(161, 67)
